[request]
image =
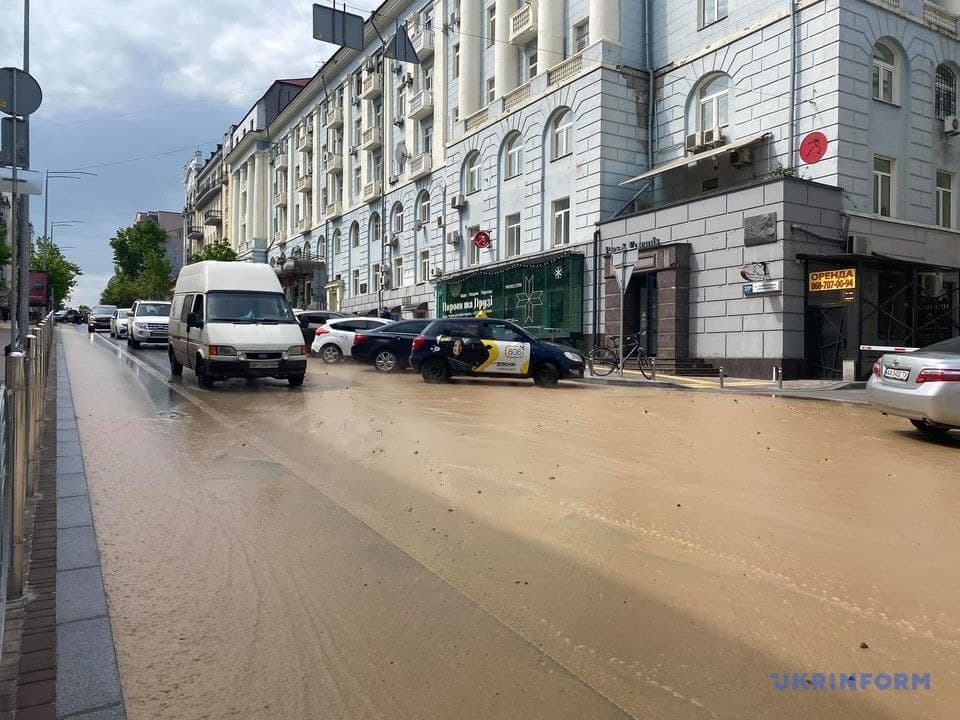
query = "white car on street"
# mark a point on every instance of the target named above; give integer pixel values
(118, 323)
(334, 340)
(149, 322)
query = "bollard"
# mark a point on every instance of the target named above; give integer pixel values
(780, 377)
(721, 377)
(653, 369)
(30, 384)
(17, 462)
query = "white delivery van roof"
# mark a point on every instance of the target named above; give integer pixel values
(215, 275)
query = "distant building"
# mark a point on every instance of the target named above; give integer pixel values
(172, 225)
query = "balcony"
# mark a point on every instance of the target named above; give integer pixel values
(305, 143)
(933, 15)
(420, 166)
(305, 183)
(280, 199)
(514, 99)
(335, 118)
(372, 138)
(334, 162)
(423, 43)
(565, 70)
(306, 222)
(421, 105)
(372, 85)
(212, 217)
(372, 191)
(333, 210)
(280, 236)
(194, 232)
(280, 163)
(477, 120)
(523, 24)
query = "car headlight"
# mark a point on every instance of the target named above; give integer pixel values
(573, 356)
(296, 350)
(223, 351)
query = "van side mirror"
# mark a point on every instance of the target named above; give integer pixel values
(193, 320)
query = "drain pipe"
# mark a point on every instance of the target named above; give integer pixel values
(596, 286)
(651, 87)
(793, 82)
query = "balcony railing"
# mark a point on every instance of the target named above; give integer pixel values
(372, 191)
(280, 236)
(305, 183)
(334, 162)
(306, 222)
(334, 210)
(423, 43)
(335, 118)
(372, 138)
(562, 72)
(523, 23)
(280, 199)
(934, 16)
(372, 85)
(420, 166)
(476, 120)
(515, 98)
(212, 217)
(281, 161)
(305, 143)
(194, 232)
(421, 105)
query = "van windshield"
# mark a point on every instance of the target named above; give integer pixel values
(248, 307)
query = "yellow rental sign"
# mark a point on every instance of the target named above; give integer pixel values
(833, 280)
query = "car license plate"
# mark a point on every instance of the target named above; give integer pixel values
(158, 334)
(264, 363)
(894, 374)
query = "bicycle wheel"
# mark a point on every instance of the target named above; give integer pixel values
(646, 365)
(603, 361)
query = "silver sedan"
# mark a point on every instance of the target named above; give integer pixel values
(922, 386)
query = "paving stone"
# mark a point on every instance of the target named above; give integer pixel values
(80, 595)
(68, 435)
(86, 671)
(39, 712)
(111, 713)
(66, 424)
(70, 485)
(69, 465)
(73, 512)
(65, 449)
(76, 547)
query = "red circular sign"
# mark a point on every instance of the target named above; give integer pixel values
(481, 239)
(813, 147)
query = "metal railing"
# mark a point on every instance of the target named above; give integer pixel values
(21, 423)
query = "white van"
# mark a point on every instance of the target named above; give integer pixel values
(231, 319)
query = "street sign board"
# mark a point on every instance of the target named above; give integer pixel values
(762, 287)
(27, 97)
(6, 142)
(400, 48)
(337, 27)
(29, 182)
(826, 280)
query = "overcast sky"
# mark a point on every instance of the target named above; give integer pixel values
(132, 88)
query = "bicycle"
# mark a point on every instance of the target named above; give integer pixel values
(606, 358)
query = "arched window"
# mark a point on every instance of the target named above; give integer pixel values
(945, 94)
(423, 207)
(884, 73)
(376, 228)
(397, 217)
(713, 103)
(336, 241)
(471, 173)
(306, 249)
(355, 234)
(561, 131)
(513, 156)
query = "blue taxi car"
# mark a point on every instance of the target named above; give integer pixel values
(490, 348)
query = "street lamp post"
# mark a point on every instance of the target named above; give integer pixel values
(57, 175)
(48, 242)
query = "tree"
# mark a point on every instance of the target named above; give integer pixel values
(61, 273)
(141, 267)
(133, 244)
(5, 252)
(215, 251)
(120, 290)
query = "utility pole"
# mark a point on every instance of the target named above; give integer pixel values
(22, 226)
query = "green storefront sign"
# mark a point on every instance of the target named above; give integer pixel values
(545, 295)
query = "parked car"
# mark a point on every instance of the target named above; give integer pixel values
(149, 322)
(335, 339)
(310, 320)
(922, 386)
(491, 348)
(72, 316)
(232, 319)
(60, 316)
(118, 323)
(387, 347)
(99, 317)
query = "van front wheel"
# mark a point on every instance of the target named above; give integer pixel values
(176, 368)
(204, 378)
(295, 380)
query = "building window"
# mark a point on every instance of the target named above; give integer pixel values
(355, 282)
(532, 63)
(423, 207)
(354, 235)
(882, 186)
(336, 241)
(426, 130)
(513, 235)
(357, 180)
(402, 100)
(711, 11)
(375, 229)
(426, 77)
(491, 89)
(357, 130)
(714, 104)
(491, 25)
(398, 218)
(474, 258)
(581, 36)
(884, 67)
(471, 173)
(562, 135)
(456, 61)
(375, 278)
(398, 271)
(944, 199)
(424, 265)
(514, 156)
(945, 95)
(561, 222)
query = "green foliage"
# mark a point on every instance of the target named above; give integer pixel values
(141, 267)
(5, 252)
(61, 273)
(215, 251)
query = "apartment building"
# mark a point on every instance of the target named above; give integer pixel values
(751, 184)
(205, 180)
(172, 225)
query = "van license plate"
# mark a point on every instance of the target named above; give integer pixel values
(264, 363)
(893, 374)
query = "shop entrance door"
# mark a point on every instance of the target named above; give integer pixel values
(640, 309)
(826, 340)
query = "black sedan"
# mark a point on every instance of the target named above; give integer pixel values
(387, 347)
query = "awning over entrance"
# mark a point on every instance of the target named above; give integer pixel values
(699, 157)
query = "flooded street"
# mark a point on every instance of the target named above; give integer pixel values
(371, 546)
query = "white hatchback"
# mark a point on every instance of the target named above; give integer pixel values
(334, 340)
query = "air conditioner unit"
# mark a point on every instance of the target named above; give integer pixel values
(355, 102)
(858, 244)
(397, 67)
(458, 201)
(440, 221)
(741, 157)
(694, 142)
(931, 283)
(951, 125)
(453, 238)
(713, 138)
(436, 272)
(384, 278)
(408, 79)
(398, 120)
(390, 240)
(309, 129)
(354, 150)
(394, 179)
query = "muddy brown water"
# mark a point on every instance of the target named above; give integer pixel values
(374, 547)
